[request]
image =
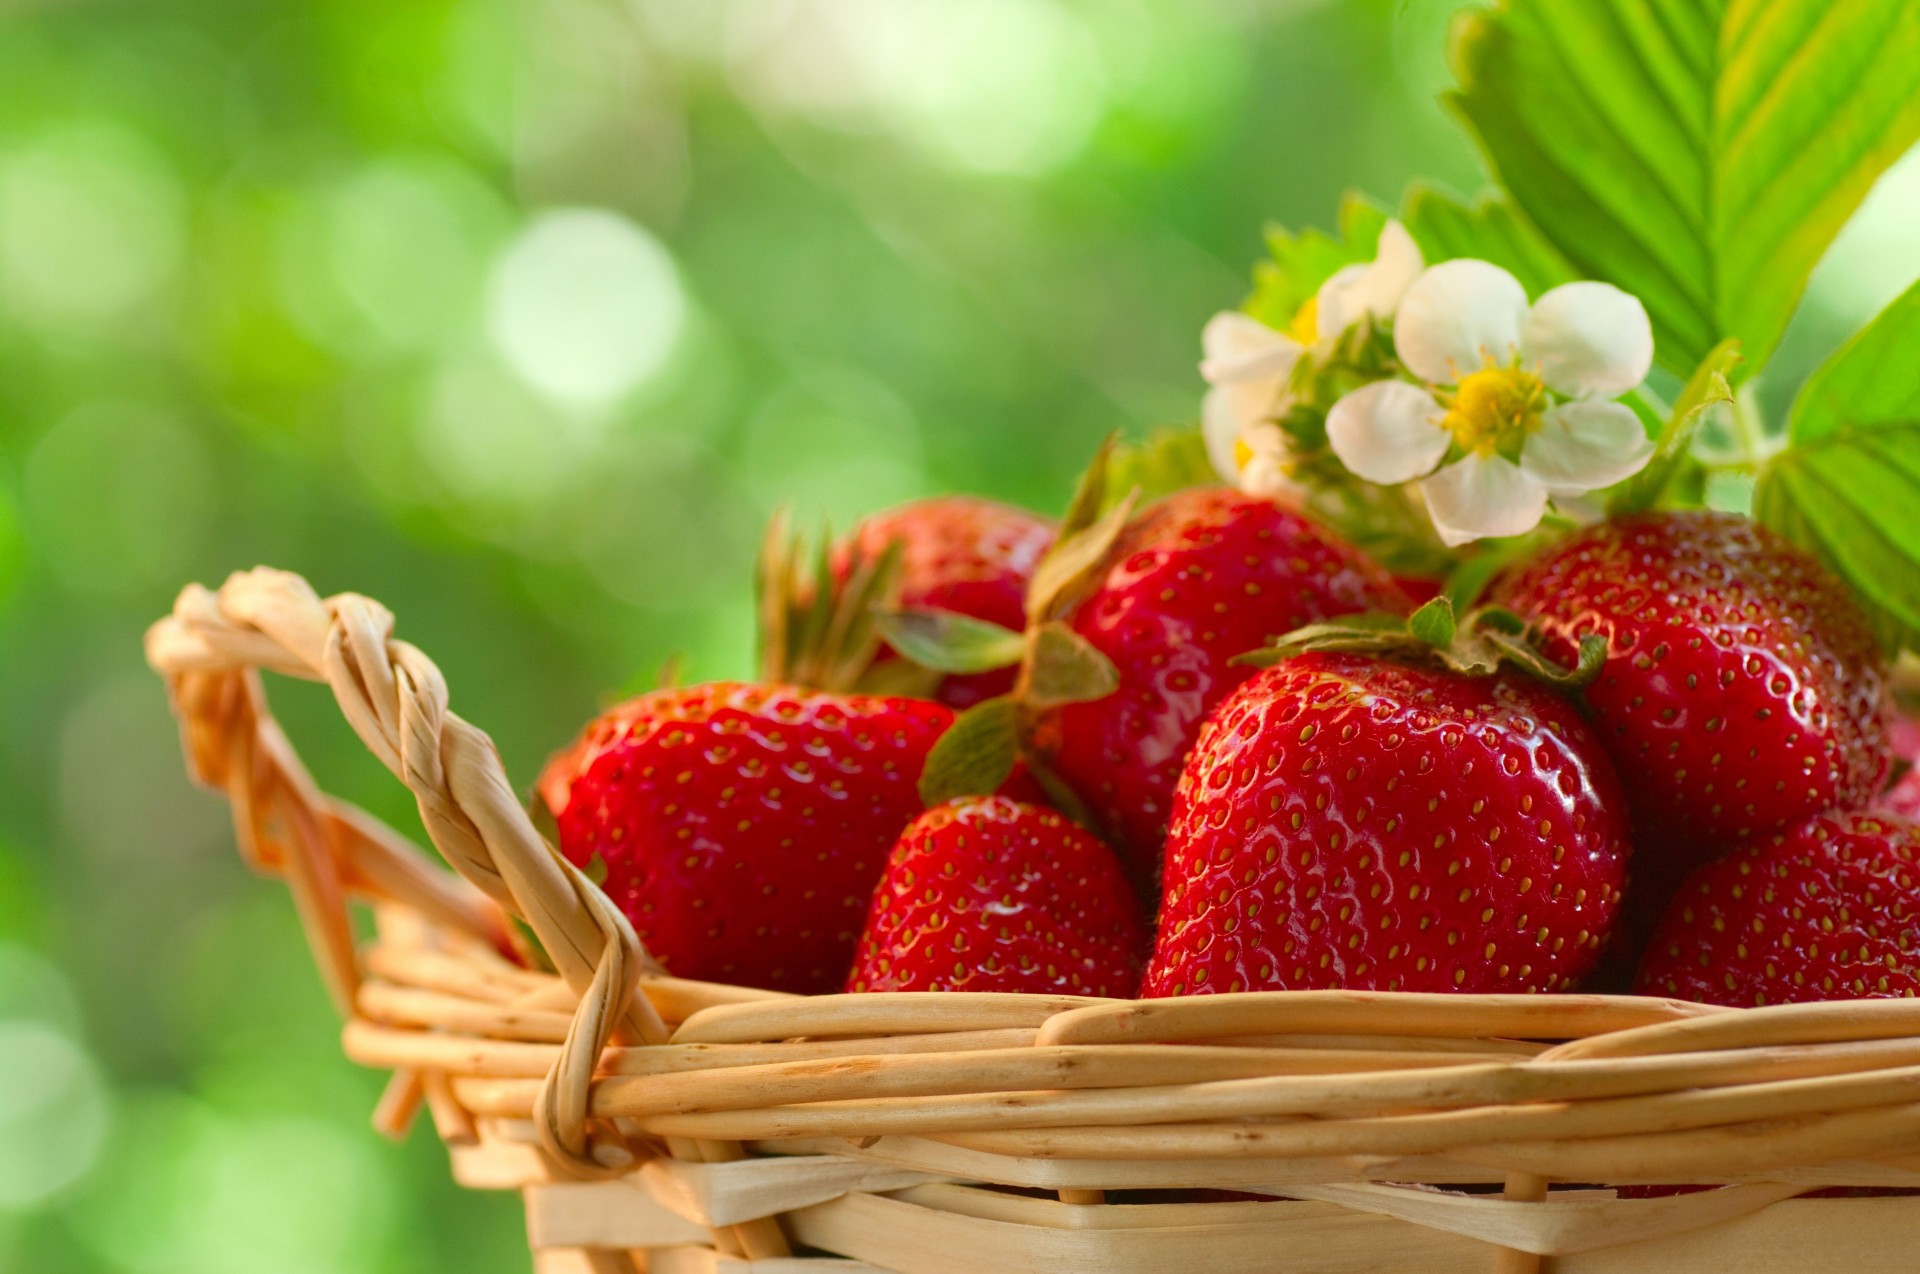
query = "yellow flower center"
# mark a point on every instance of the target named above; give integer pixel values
(1242, 453)
(1305, 327)
(1495, 409)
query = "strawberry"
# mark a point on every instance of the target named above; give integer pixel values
(959, 554)
(1826, 909)
(1196, 579)
(742, 826)
(989, 894)
(1743, 689)
(1352, 821)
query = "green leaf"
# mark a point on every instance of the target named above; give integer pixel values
(1872, 380)
(950, 642)
(1706, 388)
(1701, 154)
(1433, 623)
(1853, 498)
(1299, 262)
(976, 754)
(1490, 228)
(1848, 488)
(1166, 461)
(1067, 668)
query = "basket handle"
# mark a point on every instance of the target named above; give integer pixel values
(210, 650)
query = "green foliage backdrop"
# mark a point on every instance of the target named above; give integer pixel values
(522, 317)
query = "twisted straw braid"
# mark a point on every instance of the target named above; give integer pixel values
(210, 649)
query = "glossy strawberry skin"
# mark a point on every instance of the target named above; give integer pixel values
(742, 827)
(1827, 909)
(1197, 579)
(1350, 822)
(990, 894)
(1743, 689)
(961, 554)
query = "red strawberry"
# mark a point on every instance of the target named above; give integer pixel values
(742, 827)
(1195, 580)
(988, 894)
(1827, 909)
(1346, 821)
(1743, 688)
(962, 554)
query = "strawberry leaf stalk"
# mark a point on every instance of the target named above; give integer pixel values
(1398, 805)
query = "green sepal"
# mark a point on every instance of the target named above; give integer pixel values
(1707, 387)
(1475, 647)
(1166, 461)
(1066, 668)
(946, 641)
(1434, 623)
(1090, 492)
(976, 754)
(1063, 574)
(816, 631)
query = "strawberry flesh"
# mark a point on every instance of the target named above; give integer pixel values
(742, 827)
(990, 894)
(1743, 689)
(1198, 578)
(1346, 821)
(1828, 909)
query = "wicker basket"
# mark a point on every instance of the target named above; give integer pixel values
(660, 1124)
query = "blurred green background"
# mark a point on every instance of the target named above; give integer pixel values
(522, 317)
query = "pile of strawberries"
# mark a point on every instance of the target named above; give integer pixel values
(1207, 746)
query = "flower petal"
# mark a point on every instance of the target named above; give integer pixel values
(1220, 426)
(1586, 445)
(1458, 317)
(1240, 347)
(1589, 338)
(1388, 431)
(1371, 290)
(1483, 494)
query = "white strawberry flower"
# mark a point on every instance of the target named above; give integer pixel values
(1249, 364)
(1513, 408)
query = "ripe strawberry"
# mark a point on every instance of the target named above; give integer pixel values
(742, 827)
(962, 554)
(1826, 909)
(1195, 580)
(1743, 688)
(988, 894)
(1347, 821)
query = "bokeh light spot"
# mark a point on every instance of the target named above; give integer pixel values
(1012, 86)
(53, 1113)
(409, 239)
(585, 306)
(92, 223)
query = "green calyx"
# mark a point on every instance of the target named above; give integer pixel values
(1057, 665)
(1475, 646)
(822, 632)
